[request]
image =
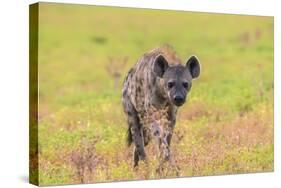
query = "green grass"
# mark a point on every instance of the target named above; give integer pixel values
(227, 123)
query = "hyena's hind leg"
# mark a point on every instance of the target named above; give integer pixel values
(137, 137)
(135, 132)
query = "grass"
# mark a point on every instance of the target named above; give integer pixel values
(226, 126)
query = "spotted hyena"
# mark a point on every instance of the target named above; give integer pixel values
(152, 92)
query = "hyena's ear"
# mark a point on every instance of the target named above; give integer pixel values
(193, 66)
(160, 65)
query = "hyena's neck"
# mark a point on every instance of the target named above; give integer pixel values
(159, 101)
(159, 98)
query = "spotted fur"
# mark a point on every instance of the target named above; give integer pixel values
(145, 97)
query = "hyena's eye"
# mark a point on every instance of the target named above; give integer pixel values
(171, 84)
(185, 85)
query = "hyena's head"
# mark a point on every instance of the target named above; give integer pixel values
(176, 80)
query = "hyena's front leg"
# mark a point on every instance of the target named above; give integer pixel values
(172, 121)
(137, 135)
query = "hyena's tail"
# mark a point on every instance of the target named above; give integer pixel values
(129, 137)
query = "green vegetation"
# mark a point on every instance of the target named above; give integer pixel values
(225, 127)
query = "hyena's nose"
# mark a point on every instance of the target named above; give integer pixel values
(178, 99)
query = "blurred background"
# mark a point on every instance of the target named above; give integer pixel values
(84, 54)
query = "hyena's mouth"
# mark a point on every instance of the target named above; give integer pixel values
(178, 102)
